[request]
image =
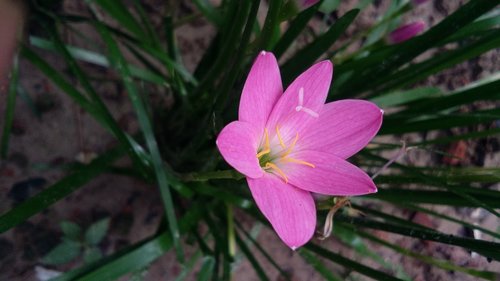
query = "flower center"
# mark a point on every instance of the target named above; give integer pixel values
(272, 157)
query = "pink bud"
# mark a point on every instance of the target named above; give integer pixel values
(406, 32)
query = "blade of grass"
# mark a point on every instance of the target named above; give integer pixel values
(134, 149)
(439, 62)
(486, 91)
(262, 251)
(251, 258)
(113, 126)
(296, 26)
(58, 191)
(119, 12)
(353, 241)
(207, 269)
(443, 264)
(209, 11)
(369, 70)
(306, 56)
(485, 248)
(118, 61)
(398, 98)
(271, 24)
(10, 109)
(133, 258)
(448, 218)
(348, 263)
(393, 125)
(319, 266)
(97, 59)
(438, 182)
(432, 197)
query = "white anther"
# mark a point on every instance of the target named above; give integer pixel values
(263, 53)
(310, 112)
(301, 97)
(301, 106)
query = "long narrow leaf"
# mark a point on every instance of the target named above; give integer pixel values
(9, 110)
(119, 63)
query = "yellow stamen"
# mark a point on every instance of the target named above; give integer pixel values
(263, 152)
(278, 170)
(293, 160)
(267, 146)
(279, 137)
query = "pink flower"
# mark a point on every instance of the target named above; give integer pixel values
(291, 144)
(406, 32)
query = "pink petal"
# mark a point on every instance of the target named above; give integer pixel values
(237, 143)
(291, 211)
(343, 128)
(331, 175)
(314, 84)
(261, 91)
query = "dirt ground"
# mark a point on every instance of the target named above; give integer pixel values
(51, 131)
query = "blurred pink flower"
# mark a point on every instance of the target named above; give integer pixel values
(291, 144)
(406, 32)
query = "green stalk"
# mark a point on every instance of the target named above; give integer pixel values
(9, 111)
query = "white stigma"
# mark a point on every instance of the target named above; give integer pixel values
(263, 53)
(301, 107)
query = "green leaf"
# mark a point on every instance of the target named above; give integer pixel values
(479, 91)
(97, 231)
(97, 59)
(9, 109)
(308, 55)
(71, 230)
(134, 149)
(394, 125)
(296, 26)
(419, 71)
(209, 11)
(271, 25)
(162, 178)
(369, 70)
(65, 252)
(207, 268)
(436, 197)
(57, 191)
(352, 239)
(91, 255)
(485, 248)
(319, 266)
(135, 257)
(328, 6)
(251, 258)
(348, 263)
(259, 247)
(398, 98)
(475, 28)
(119, 11)
(443, 264)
